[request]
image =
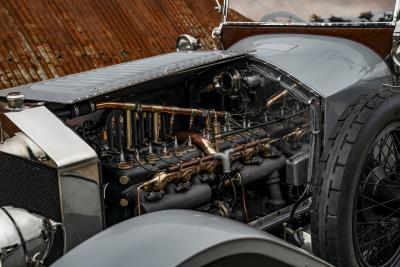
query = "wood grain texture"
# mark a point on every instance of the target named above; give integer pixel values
(377, 39)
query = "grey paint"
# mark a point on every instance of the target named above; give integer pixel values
(178, 237)
(339, 70)
(82, 86)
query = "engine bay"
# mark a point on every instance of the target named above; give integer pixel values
(238, 139)
(231, 140)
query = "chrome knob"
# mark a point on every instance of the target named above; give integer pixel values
(16, 100)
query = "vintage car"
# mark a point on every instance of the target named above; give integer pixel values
(292, 127)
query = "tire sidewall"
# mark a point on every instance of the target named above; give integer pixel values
(384, 115)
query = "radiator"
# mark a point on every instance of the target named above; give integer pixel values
(66, 188)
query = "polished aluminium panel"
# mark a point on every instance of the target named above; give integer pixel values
(82, 86)
(59, 142)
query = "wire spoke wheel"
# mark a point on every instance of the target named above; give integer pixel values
(376, 219)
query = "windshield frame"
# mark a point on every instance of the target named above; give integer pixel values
(225, 20)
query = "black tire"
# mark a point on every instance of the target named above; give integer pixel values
(336, 188)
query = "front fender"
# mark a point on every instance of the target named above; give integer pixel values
(181, 238)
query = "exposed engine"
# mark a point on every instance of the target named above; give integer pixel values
(237, 139)
(231, 140)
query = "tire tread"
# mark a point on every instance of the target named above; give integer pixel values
(327, 185)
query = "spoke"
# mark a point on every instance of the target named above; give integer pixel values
(362, 223)
(396, 142)
(373, 200)
(384, 184)
(384, 219)
(382, 154)
(390, 190)
(382, 249)
(379, 238)
(393, 186)
(392, 150)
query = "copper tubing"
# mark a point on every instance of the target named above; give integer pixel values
(116, 105)
(182, 111)
(200, 141)
(217, 131)
(156, 127)
(160, 109)
(277, 98)
(128, 128)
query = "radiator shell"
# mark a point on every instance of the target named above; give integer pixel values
(65, 188)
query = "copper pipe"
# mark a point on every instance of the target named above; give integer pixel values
(160, 109)
(182, 111)
(277, 98)
(116, 105)
(216, 131)
(200, 141)
(128, 128)
(156, 127)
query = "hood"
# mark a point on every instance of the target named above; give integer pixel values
(86, 85)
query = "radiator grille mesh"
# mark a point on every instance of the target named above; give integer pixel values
(32, 186)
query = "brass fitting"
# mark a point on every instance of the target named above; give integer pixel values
(277, 98)
(123, 180)
(157, 183)
(123, 202)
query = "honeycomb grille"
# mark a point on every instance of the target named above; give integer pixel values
(32, 186)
